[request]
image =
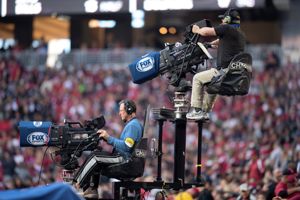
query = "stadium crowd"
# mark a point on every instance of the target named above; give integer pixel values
(250, 139)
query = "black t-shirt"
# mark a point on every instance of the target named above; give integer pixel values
(231, 42)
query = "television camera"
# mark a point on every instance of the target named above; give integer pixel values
(175, 60)
(69, 140)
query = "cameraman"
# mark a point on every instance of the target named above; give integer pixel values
(123, 148)
(231, 41)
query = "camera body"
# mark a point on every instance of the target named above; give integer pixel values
(175, 60)
(70, 139)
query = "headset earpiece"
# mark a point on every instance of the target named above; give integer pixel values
(129, 107)
(227, 19)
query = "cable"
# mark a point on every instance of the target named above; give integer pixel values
(72, 157)
(196, 38)
(181, 69)
(40, 174)
(74, 153)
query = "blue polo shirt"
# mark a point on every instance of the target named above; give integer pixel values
(131, 134)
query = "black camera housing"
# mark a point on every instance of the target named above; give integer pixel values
(178, 59)
(69, 140)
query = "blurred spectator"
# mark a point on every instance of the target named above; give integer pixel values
(160, 195)
(272, 185)
(8, 165)
(260, 196)
(256, 169)
(288, 186)
(272, 61)
(206, 193)
(245, 193)
(189, 194)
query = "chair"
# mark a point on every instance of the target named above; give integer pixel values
(235, 80)
(132, 168)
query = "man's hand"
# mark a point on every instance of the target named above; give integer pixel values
(103, 134)
(207, 45)
(204, 31)
(195, 29)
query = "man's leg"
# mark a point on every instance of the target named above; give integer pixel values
(199, 80)
(95, 181)
(95, 160)
(197, 107)
(92, 191)
(87, 172)
(208, 101)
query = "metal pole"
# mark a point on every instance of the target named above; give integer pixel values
(179, 150)
(159, 153)
(116, 190)
(200, 126)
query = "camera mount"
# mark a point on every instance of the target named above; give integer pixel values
(181, 105)
(176, 116)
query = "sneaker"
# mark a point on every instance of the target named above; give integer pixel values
(197, 115)
(91, 193)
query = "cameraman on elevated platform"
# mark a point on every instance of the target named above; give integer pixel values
(231, 42)
(88, 175)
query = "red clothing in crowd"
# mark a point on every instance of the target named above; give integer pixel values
(281, 186)
(256, 171)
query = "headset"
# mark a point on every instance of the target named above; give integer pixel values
(129, 106)
(227, 18)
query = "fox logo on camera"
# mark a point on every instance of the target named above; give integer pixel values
(145, 68)
(34, 133)
(145, 64)
(37, 138)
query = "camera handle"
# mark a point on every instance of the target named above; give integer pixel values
(73, 123)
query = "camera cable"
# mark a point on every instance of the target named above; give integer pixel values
(41, 169)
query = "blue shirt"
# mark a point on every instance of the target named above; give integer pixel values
(131, 134)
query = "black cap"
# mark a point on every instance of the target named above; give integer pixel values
(234, 16)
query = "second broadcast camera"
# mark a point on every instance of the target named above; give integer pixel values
(70, 139)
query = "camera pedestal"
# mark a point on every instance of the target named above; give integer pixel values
(177, 116)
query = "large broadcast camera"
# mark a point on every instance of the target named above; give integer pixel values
(175, 60)
(69, 140)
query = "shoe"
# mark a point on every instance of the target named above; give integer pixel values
(197, 115)
(91, 193)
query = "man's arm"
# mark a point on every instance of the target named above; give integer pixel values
(214, 44)
(205, 31)
(120, 145)
(293, 189)
(131, 134)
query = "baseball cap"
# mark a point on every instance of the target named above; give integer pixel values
(233, 14)
(244, 187)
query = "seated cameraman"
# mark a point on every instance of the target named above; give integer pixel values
(231, 41)
(123, 148)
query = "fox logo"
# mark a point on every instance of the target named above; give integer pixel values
(145, 64)
(37, 138)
